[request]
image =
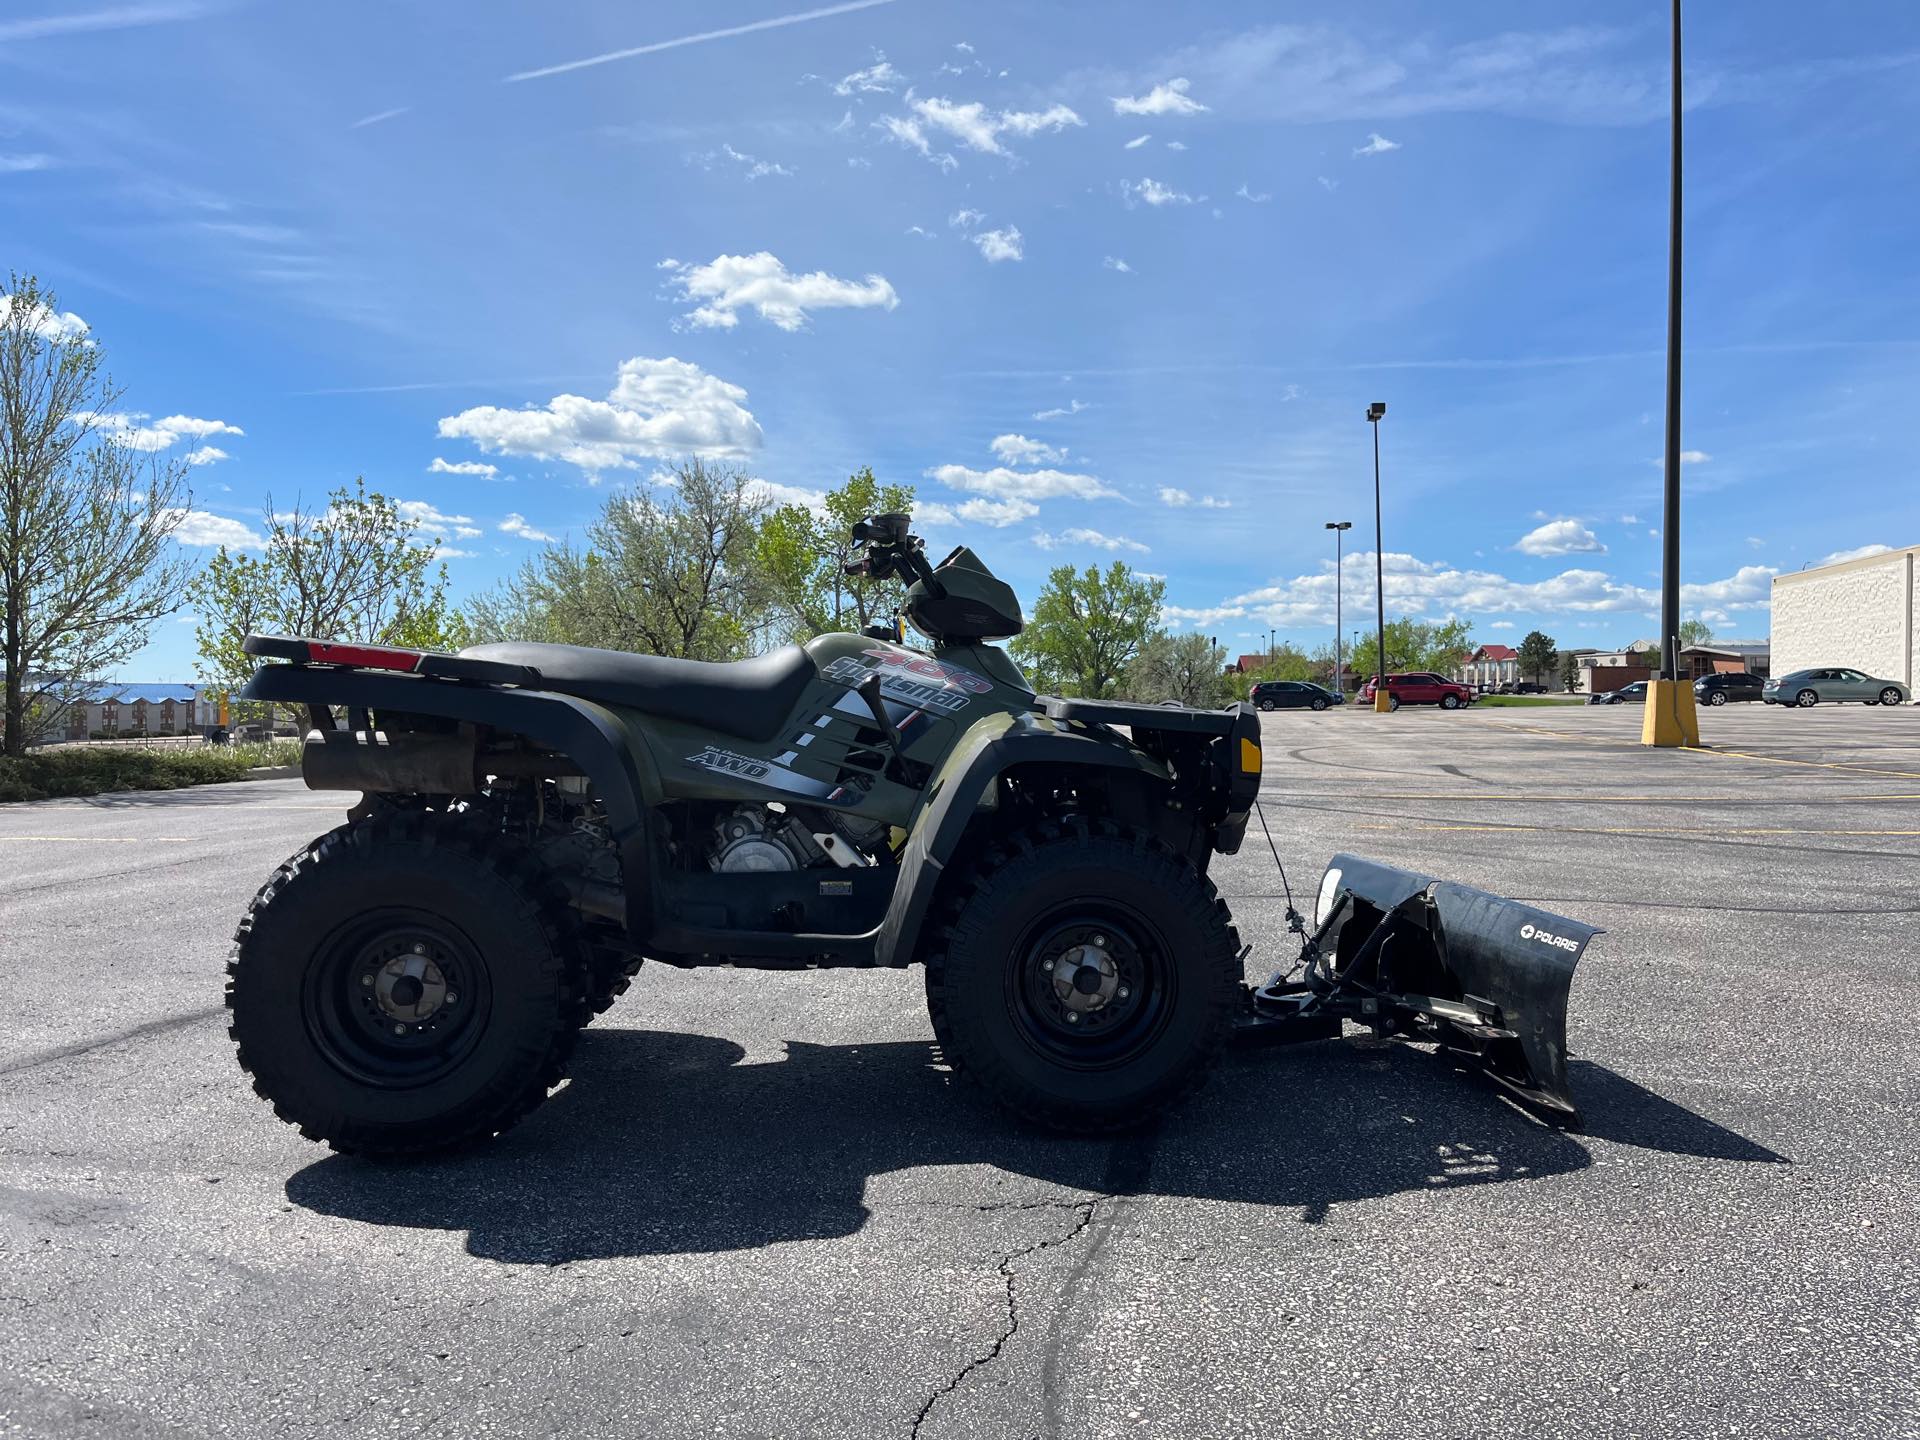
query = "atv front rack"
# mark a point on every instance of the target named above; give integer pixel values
(1404, 954)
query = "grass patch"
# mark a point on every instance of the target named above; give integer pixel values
(103, 769)
(1524, 700)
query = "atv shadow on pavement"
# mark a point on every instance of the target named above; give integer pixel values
(664, 1144)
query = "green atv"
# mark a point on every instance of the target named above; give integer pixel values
(536, 819)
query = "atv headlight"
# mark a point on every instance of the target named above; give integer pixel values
(1329, 888)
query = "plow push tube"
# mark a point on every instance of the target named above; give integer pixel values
(1485, 977)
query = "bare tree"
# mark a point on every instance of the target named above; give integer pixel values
(85, 568)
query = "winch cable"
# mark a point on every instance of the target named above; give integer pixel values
(1296, 922)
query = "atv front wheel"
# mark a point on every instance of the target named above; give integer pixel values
(1086, 978)
(403, 986)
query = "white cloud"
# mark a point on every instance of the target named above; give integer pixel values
(775, 493)
(379, 117)
(1136, 142)
(973, 125)
(423, 514)
(126, 429)
(21, 164)
(114, 17)
(998, 245)
(911, 134)
(1247, 194)
(859, 162)
(1072, 407)
(921, 231)
(1419, 587)
(1502, 625)
(966, 219)
(1167, 98)
(1558, 537)
(1082, 536)
(1114, 262)
(731, 283)
(1377, 145)
(657, 408)
(997, 513)
(1859, 552)
(207, 455)
(1687, 457)
(1019, 450)
(750, 166)
(1756, 542)
(1327, 184)
(517, 525)
(1176, 144)
(197, 527)
(1153, 193)
(878, 78)
(1180, 499)
(1004, 484)
(463, 467)
(1629, 519)
(1289, 392)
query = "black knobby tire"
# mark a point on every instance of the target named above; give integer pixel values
(312, 994)
(1090, 891)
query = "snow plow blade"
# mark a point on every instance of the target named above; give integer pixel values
(1406, 954)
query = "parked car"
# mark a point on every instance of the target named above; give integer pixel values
(1634, 694)
(1420, 687)
(1725, 688)
(1293, 695)
(1529, 687)
(1832, 682)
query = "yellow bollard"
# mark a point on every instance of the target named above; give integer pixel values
(1382, 701)
(1670, 721)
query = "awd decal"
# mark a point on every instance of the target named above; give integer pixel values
(769, 773)
(907, 688)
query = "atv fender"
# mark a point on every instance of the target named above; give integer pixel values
(588, 734)
(996, 745)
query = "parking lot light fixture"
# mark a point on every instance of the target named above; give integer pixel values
(1339, 528)
(1375, 412)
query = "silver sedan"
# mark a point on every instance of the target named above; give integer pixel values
(1832, 682)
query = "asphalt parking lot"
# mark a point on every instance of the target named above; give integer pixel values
(758, 1208)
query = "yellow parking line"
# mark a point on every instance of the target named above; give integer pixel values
(1643, 829)
(1729, 754)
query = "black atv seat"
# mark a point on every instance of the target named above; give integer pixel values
(747, 698)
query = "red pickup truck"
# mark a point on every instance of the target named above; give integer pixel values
(1420, 687)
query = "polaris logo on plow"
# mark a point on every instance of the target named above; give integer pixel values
(1559, 942)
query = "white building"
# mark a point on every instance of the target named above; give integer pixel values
(1860, 613)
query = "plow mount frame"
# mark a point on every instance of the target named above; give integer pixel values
(1406, 955)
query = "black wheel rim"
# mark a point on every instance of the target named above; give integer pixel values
(397, 998)
(1084, 1021)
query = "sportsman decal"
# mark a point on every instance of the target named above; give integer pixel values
(901, 683)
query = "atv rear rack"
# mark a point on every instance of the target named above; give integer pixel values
(1404, 954)
(432, 664)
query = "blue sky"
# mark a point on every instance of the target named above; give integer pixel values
(1100, 280)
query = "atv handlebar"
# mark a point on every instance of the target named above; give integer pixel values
(892, 552)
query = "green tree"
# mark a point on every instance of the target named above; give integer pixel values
(803, 555)
(1570, 672)
(1414, 645)
(1536, 654)
(1186, 668)
(85, 567)
(671, 569)
(356, 570)
(1695, 632)
(1087, 627)
(1285, 662)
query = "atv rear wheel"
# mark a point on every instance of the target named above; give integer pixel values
(405, 985)
(1086, 978)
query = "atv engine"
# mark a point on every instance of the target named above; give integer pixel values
(755, 837)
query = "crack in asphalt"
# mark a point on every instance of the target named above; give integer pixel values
(118, 1037)
(1086, 1210)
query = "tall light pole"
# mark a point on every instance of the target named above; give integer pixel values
(1380, 700)
(1339, 528)
(1670, 718)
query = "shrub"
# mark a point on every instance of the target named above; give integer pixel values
(46, 774)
